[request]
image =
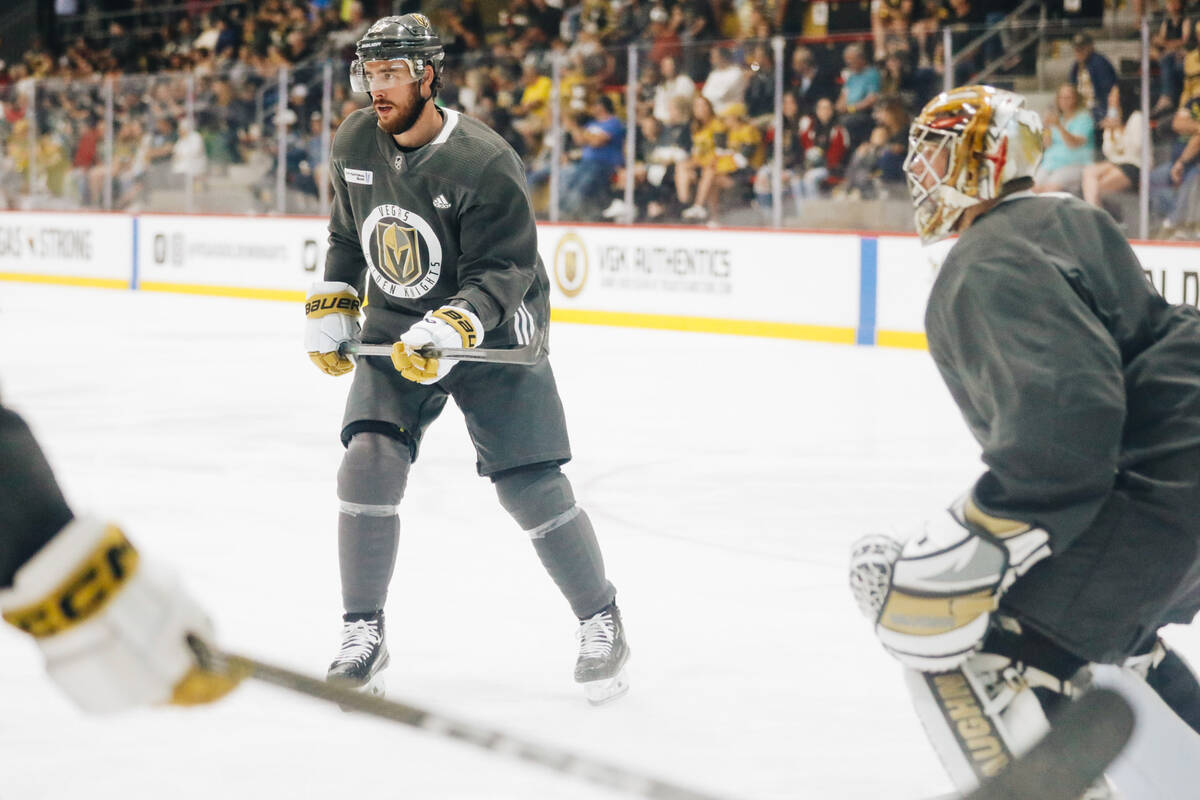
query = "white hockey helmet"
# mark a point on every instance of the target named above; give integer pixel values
(963, 148)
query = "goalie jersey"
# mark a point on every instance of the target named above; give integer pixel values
(449, 220)
(1068, 366)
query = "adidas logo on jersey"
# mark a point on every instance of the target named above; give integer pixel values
(441, 202)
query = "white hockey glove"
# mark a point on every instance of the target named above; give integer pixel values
(448, 326)
(932, 597)
(331, 313)
(111, 627)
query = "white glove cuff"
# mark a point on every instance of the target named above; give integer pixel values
(53, 564)
(331, 287)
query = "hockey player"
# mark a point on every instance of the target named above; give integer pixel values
(111, 627)
(1082, 386)
(432, 212)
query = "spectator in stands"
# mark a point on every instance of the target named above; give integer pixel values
(670, 156)
(531, 114)
(826, 145)
(1093, 76)
(462, 30)
(896, 78)
(1168, 48)
(726, 83)
(738, 153)
(188, 156)
(672, 85)
(810, 81)
(585, 182)
(87, 150)
(1183, 167)
(1068, 133)
(651, 185)
(760, 84)
(664, 34)
(704, 127)
(890, 19)
(860, 90)
(876, 167)
(1120, 171)
(792, 165)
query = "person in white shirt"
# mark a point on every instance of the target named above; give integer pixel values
(1120, 171)
(672, 84)
(726, 82)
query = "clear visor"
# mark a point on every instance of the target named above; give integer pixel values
(373, 76)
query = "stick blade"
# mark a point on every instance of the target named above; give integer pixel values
(1082, 744)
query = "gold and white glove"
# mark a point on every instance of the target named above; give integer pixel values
(331, 312)
(448, 326)
(932, 597)
(112, 628)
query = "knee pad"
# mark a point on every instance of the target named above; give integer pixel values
(373, 474)
(534, 495)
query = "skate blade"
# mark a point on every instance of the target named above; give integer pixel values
(605, 691)
(375, 687)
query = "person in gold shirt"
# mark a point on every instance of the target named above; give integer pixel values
(736, 153)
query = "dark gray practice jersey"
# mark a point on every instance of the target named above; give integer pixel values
(1066, 363)
(449, 220)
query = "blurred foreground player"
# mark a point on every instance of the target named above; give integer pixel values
(434, 207)
(111, 628)
(1082, 387)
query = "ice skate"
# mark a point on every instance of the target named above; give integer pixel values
(602, 656)
(363, 657)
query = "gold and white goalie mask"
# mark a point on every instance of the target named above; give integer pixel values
(963, 147)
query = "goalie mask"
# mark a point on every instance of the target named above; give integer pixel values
(408, 43)
(963, 148)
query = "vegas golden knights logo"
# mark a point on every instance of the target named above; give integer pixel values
(422, 19)
(402, 251)
(399, 252)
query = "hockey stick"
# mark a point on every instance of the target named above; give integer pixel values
(1080, 746)
(577, 766)
(526, 354)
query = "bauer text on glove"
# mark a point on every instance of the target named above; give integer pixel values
(448, 326)
(112, 628)
(331, 313)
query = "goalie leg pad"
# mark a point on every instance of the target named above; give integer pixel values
(1162, 759)
(1172, 679)
(371, 482)
(978, 717)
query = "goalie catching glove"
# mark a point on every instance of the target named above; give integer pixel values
(331, 313)
(113, 629)
(932, 597)
(448, 326)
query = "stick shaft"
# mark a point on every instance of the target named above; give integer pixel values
(572, 764)
(516, 355)
(527, 354)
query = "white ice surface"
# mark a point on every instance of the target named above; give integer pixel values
(726, 478)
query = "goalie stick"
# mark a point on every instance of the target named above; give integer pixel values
(568, 763)
(1080, 746)
(526, 354)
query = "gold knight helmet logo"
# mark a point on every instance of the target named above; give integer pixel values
(399, 251)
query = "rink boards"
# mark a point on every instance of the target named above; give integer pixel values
(850, 288)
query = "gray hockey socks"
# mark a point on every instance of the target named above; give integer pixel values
(569, 551)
